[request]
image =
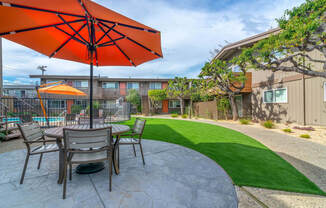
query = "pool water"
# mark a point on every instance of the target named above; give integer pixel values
(38, 119)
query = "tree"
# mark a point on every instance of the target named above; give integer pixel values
(221, 79)
(179, 88)
(156, 97)
(194, 91)
(293, 49)
(133, 97)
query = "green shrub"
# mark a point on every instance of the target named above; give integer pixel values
(244, 121)
(184, 116)
(75, 109)
(305, 136)
(268, 124)
(287, 130)
(174, 115)
(2, 136)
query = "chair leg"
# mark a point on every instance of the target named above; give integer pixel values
(64, 180)
(39, 162)
(134, 149)
(110, 173)
(119, 156)
(24, 169)
(142, 154)
(70, 171)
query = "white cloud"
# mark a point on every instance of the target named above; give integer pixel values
(188, 35)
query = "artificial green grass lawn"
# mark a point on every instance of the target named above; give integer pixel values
(248, 162)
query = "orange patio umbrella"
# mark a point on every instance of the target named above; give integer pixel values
(81, 31)
(62, 89)
(56, 88)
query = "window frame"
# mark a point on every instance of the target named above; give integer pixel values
(155, 87)
(81, 87)
(174, 106)
(132, 85)
(116, 85)
(274, 97)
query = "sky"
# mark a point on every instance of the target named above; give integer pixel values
(190, 30)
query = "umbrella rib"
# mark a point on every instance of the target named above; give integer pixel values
(39, 27)
(129, 59)
(66, 42)
(72, 28)
(108, 42)
(37, 9)
(129, 26)
(104, 35)
(73, 37)
(132, 40)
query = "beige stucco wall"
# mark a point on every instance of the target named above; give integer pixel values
(315, 104)
(293, 110)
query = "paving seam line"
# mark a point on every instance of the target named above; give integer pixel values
(253, 197)
(98, 194)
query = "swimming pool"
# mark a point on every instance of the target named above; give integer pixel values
(38, 119)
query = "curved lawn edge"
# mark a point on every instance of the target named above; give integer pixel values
(247, 161)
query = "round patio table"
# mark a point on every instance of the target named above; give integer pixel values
(57, 132)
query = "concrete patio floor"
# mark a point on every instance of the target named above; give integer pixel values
(173, 176)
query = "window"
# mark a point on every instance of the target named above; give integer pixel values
(110, 85)
(325, 91)
(82, 103)
(133, 85)
(57, 104)
(81, 84)
(155, 85)
(174, 104)
(276, 96)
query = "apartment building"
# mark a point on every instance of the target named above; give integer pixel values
(282, 96)
(109, 90)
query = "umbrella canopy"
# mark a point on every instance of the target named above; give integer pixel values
(62, 89)
(81, 31)
(66, 29)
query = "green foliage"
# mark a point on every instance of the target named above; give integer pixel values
(287, 130)
(75, 109)
(11, 114)
(302, 31)
(184, 116)
(244, 121)
(134, 98)
(268, 124)
(178, 88)
(157, 95)
(305, 136)
(223, 104)
(175, 115)
(2, 136)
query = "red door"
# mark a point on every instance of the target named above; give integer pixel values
(165, 106)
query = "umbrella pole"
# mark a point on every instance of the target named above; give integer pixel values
(91, 92)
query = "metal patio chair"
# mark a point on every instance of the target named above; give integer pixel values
(83, 146)
(32, 134)
(134, 137)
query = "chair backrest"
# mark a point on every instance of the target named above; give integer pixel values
(139, 126)
(30, 131)
(89, 138)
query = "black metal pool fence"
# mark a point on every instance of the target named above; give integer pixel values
(61, 112)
